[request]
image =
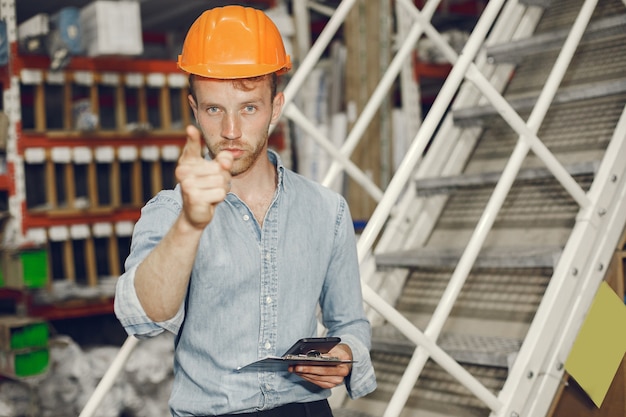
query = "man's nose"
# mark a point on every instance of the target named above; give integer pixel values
(231, 128)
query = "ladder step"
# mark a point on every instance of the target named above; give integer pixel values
(538, 3)
(474, 116)
(464, 348)
(516, 51)
(511, 295)
(500, 257)
(445, 185)
(345, 412)
(436, 391)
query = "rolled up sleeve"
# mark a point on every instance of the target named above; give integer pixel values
(131, 314)
(148, 231)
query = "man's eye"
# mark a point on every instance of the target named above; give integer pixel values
(212, 110)
(250, 109)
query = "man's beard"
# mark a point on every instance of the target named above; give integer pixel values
(243, 163)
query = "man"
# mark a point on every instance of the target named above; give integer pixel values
(236, 260)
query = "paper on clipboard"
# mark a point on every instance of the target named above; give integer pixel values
(281, 363)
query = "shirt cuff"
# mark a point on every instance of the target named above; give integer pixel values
(362, 379)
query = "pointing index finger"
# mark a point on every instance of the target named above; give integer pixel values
(193, 146)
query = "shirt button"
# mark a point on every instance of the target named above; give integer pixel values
(268, 256)
(246, 217)
(268, 345)
(268, 300)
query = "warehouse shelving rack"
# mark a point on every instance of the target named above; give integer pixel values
(76, 177)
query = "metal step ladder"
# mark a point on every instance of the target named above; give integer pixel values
(494, 328)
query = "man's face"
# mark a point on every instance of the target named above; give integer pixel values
(235, 116)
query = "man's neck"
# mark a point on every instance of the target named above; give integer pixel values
(261, 178)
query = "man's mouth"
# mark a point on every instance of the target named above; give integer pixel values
(235, 152)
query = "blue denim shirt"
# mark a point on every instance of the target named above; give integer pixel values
(254, 292)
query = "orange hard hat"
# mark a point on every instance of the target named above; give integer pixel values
(233, 42)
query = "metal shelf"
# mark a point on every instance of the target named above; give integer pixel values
(24, 304)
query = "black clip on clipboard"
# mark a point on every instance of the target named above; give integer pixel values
(308, 352)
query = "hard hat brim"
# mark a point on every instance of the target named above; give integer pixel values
(233, 71)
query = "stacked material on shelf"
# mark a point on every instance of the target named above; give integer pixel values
(111, 28)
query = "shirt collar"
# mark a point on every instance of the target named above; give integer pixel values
(280, 168)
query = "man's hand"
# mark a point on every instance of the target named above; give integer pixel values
(203, 183)
(327, 376)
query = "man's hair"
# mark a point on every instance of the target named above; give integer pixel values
(242, 83)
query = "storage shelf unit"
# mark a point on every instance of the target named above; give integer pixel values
(88, 146)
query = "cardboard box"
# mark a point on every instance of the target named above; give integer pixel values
(111, 28)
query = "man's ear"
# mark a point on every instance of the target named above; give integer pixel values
(193, 105)
(277, 108)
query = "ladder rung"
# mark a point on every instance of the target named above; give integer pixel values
(345, 412)
(474, 116)
(436, 392)
(444, 185)
(538, 3)
(464, 348)
(500, 257)
(515, 51)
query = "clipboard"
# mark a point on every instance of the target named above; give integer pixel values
(308, 352)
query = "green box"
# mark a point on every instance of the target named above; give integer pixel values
(22, 333)
(24, 363)
(24, 268)
(34, 268)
